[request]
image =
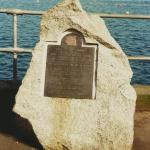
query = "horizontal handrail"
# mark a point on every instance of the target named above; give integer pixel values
(21, 12)
(30, 50)
(16, 50)
(139, 58)
(103, 15)
(125, 16)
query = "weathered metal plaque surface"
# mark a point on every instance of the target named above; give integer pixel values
(69, 71)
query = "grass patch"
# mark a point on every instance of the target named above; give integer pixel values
(143, 103)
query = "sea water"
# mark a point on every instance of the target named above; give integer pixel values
(132, 35)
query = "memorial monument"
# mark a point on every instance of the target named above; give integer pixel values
(76, 93)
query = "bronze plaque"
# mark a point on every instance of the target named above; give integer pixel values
(69, 70)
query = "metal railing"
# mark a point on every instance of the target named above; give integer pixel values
(15, 49)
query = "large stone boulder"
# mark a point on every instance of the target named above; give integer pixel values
(104, 122)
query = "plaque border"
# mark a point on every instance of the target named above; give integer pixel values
(93, 45)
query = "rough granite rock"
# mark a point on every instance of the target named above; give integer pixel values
(105, 123)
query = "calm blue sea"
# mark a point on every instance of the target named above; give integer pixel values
(132, 35)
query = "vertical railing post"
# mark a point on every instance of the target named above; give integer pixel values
(15, 46)
(15, 31)
(15, 66)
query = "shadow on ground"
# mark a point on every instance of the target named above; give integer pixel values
(11, 124)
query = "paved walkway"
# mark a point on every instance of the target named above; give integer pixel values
(142, 131)
(141, 142)
(9, 143)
